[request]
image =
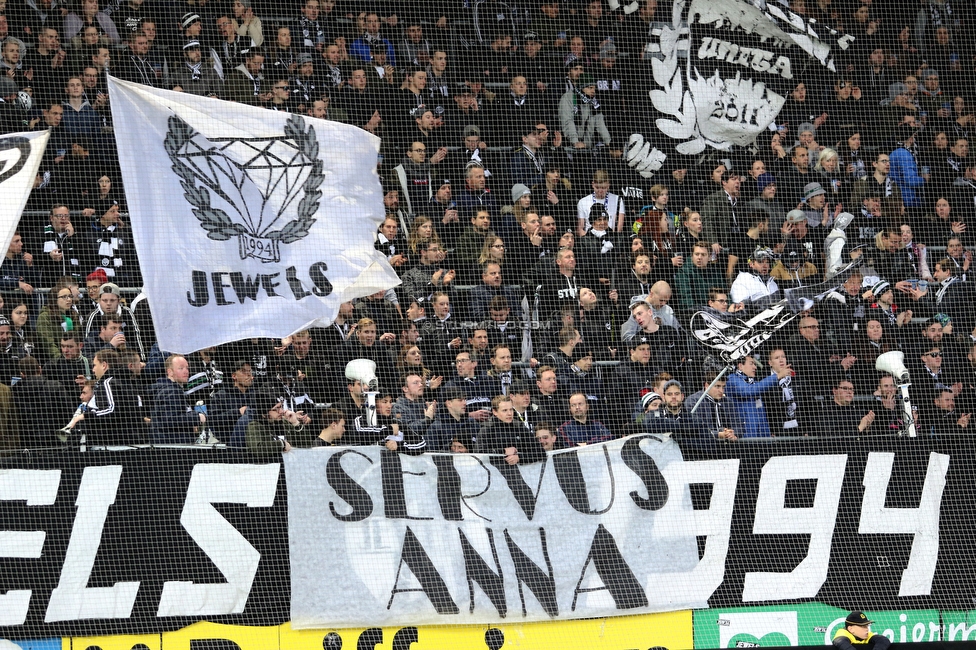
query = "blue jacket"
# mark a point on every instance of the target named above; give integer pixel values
(904, 172)
(747, 399)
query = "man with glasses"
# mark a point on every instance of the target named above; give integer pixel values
(812, 356)
(528, 165)
(59, 258)
(281, 97)
(469, 382)
(414, 177)
(840, 417)
(931, 377)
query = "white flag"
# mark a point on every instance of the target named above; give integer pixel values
(20, 158)
(248, 222)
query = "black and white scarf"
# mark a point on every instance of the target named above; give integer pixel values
(940, 17)
(580, 96)
(789, 399)
(312, 33)
(196, 70)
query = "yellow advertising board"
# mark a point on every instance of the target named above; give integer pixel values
(671, 630)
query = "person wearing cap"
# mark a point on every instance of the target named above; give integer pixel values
(527, 165)
(532, 64)
(582, 122)
(767, 201)
(755, 285)
(381, 428)
(857, 632)
(632, 377)
(230, 403)
(452, 422)
(195, 76)
(815, 205)
(109, 302)
(904, 169)
(191, 26)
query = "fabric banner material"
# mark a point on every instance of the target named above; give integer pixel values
(248, 222)
(20, 158)
(593, 531)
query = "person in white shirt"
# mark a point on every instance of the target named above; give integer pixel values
(754, 284)
(613, 204)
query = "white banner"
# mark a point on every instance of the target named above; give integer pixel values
(382, 539)
(248, 222)
(20, 158)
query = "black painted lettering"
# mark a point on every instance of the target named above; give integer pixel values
(431, 583)
(569, 474)
(347, 489)
(291, 274)
(516, 484)
(404, 637)
(617, 578)
(369, 639)
(648, 472)
(245, 287)
(321, 285)
(448, 488)
(394, 498)
(267, 281)
(218, 284)
(213, 644)
(477, 570)
(541, 583)
(200, 295)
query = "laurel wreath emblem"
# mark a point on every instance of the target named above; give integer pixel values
(217, 223)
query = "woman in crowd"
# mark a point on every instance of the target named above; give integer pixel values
(22, 336)
(57, 317)
(411, 360)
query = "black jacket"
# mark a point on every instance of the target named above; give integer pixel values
(496, 436)
(113, 416)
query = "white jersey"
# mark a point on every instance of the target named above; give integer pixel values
(613, 204)
(749, 286)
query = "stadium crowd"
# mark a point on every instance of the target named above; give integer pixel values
(547, 288)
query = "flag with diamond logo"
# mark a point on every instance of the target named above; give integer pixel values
(247, 222)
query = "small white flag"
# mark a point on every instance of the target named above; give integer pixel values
(248, 222)
(20, 158)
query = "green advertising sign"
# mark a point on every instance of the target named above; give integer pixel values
(814, 624)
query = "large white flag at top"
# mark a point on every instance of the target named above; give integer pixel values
(20, 158)
(248, 222)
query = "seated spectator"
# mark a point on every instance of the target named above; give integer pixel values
(245, 83)
(194, 75)
(360, 47)
(110, 335)
(839, 416)
(580, 429)
(173, 421)
(944, 419)
(583, 123)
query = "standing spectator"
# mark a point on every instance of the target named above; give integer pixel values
(613, 205)
(747, 393)
(580, 429)
(840, 417)
(113, 415)
(905, 172)
(60, 258)
(503, 437)
(721, 223)
(693, 281)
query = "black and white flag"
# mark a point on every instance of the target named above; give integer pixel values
(20, 158)
(248, 222)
